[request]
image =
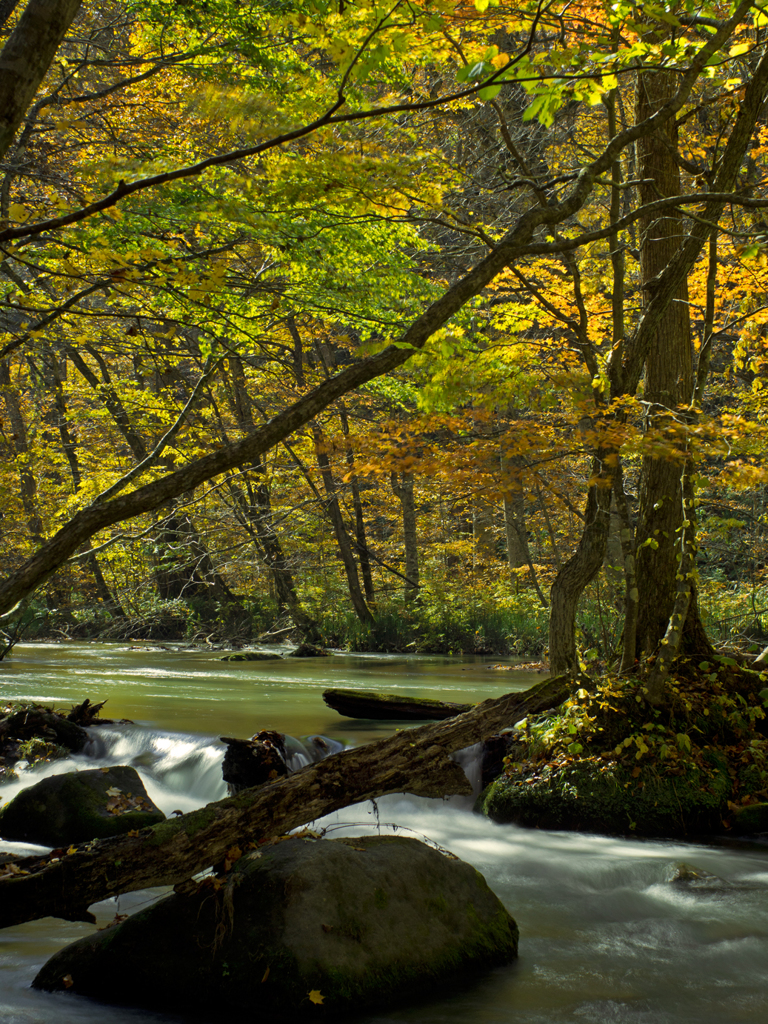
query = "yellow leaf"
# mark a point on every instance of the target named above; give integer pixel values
(18, 212)
(265, 976)
(315, 997)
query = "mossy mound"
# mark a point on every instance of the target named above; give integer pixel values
(303, 926)
(592, 795)
(78, 806)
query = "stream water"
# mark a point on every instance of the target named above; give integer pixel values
(605, 934)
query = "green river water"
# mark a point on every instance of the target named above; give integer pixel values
(605, 936)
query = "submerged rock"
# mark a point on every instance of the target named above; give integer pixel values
(308, 650)
(594, 796)
(78, 806)
(301, 926)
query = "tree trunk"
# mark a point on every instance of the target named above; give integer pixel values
(402, 488)
(26, 57)
(579, 571)
(361, 542)
(340, 530)
(415, 761)
(668, 374)
(255, 513)
(27, 482)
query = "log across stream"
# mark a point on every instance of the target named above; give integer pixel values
(606, 935)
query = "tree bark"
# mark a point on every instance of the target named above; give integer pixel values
(668, 373)
(362, 610)
(402, 488)
(26, 57)
(415, 761)
(580, 570)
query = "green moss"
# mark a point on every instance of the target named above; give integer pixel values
(593, 795)
(380, 898)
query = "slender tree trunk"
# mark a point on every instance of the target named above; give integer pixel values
(402, 488)
(518, 549)
(579, 571)
(362, 610)
(27, 481)
(257, 516)
(69, 446)
(361, 541)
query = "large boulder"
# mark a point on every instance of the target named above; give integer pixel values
(594, 796)
(77, 806)
(303, 925)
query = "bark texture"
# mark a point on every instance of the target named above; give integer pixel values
(26, 57)
(668, 373)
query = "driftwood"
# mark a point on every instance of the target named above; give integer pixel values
(417, 761)
(390, 707)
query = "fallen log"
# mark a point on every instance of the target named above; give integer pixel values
(390, 706)
(64, 884)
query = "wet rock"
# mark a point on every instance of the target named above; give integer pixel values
(307, 650)
(688, 876)
(77, 806)
(253, 762)
(40, 723)
(299, 927)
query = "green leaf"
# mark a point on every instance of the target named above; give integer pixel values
(490, 92)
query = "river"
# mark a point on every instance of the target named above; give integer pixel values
(605, 935)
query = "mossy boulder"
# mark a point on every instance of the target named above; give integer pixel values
(303, 926)
(592, 795)
(77, 806)
(750, 818)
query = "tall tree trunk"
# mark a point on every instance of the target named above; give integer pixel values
(361, 541)
(402, 488)
(27, 482)
(668, 374)
(518, 549)
(56, 373)
(362, 610)
(256, 513)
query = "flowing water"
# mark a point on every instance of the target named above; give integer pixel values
(605, 934)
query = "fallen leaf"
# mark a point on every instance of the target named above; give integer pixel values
(265, 976)
(315, 996)
(113, 791)
(67, 981)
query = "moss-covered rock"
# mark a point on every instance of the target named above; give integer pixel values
(351, 922)
(751, 818)
(78, 806)
(593, 795)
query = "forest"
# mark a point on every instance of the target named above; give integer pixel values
(433, 326)
(419, 327)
